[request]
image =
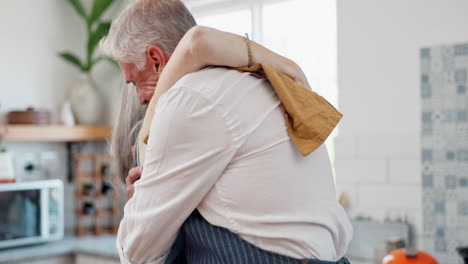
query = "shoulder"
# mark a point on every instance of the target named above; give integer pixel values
(184, 111)
(207, 75)
(210, 80)
(203, 85)
(199, 91)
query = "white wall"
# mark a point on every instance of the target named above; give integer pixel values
(31, 34)
(378, 147)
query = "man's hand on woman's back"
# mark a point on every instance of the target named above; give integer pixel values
(133, 176)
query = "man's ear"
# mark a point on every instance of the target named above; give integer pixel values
(156, 58)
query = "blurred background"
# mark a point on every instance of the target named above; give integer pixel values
(396, 69)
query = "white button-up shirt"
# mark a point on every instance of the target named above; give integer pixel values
(219, 144)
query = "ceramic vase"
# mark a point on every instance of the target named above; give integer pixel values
(85, 101)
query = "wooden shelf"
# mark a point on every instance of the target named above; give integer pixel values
(56, 133)
(106, 212)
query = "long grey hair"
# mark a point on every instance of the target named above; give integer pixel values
(126, 131)
(142, 23)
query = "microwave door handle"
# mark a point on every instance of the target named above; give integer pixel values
(44, 205)
(61, 212)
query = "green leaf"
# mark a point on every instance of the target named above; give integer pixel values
(99, 6)
(72, 59)
(79, 8)
(109, 59)
(113, 62)
(94, 37)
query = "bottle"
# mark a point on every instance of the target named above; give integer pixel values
(7, 174)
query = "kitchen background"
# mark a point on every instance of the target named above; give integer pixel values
(396, 69)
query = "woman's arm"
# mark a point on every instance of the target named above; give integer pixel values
(203, 46)
(214, 47)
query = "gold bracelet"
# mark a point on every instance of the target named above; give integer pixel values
(249, 49)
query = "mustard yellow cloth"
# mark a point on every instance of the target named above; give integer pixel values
(310, 118)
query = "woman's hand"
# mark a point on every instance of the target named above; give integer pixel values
(291, 69)
(133, 176)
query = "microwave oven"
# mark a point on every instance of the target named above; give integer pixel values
(31, 212)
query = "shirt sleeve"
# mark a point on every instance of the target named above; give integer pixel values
(188, 148)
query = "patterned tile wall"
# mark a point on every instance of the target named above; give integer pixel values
(444, 74)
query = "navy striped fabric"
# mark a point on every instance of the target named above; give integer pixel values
(209, 244)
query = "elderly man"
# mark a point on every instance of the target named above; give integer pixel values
(220, 166)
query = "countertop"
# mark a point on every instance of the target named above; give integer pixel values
(354, 261)
(102, 246)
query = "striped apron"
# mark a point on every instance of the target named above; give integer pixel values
(200, 242)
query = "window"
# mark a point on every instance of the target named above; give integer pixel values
(238, 22)
(306, 33)
(302, 30)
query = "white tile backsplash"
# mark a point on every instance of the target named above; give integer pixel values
(381, 178)
(391, 146)
(346, 147)
(356, 171)
(404, 171)
(391, 196)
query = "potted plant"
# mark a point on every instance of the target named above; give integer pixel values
(84, 97)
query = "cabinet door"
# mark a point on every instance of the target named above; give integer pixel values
(87, 259)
